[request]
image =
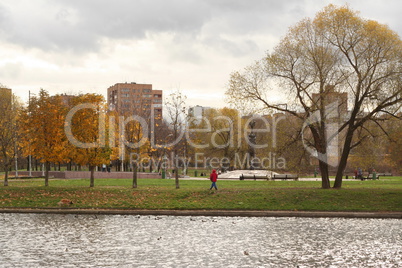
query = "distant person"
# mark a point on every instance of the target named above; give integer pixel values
(360, 173)
(213, 178)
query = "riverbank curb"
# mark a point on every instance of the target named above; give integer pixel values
(215, 213)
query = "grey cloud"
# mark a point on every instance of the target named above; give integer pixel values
(2, 14)
(36, 27)
(78, 25)
(4, 18)
(133, 18)
(237, 48)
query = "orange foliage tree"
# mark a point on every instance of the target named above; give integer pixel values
(86, 130)
(41, 130)
(9, 108)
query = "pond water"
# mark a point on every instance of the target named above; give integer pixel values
(49, 240)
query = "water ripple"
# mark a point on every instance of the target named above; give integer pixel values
(42, 240)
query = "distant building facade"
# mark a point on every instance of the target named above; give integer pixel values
(6, 93)
(135, 99)
(332, 98)
(197, 112)
(66, 99)
(336, 112)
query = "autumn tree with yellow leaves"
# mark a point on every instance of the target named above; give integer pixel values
(219, 134)
(136, 127)
(135, 142)
(41, 130)
(87, 132)
(9, 108)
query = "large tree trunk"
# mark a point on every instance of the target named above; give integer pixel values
(159, 166)
(151, 165)
(176, 169)
(47, 168)
(69, 165)
(135, 171)
(6, 167)
(92, 177)
(321, 147)
(325, 184)
(176, 173)
(344, 159)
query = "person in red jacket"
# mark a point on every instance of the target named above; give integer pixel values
(213, 177)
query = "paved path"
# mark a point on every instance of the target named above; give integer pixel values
(236, 179)
(216, 213)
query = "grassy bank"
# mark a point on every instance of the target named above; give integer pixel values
(380, 195)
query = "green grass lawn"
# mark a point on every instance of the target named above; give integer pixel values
(380, 195)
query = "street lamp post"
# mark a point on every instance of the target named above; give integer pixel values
(29, 143)
(166, 161)
(15, 135)
(252, 144)
(164, 175)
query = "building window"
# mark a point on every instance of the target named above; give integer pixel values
(146, 96)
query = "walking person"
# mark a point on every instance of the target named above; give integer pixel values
(360, 174)
(213, 177)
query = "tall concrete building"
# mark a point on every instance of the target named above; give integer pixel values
(6, 93)
(332, 100)
(135, 99)
(336, 112)
(66, 99)
(197, 112)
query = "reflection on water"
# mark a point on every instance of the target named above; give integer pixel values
(41, 240)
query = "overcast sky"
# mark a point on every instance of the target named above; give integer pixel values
(79, 46)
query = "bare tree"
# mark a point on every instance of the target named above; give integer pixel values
(176, 112)
(325, 65)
